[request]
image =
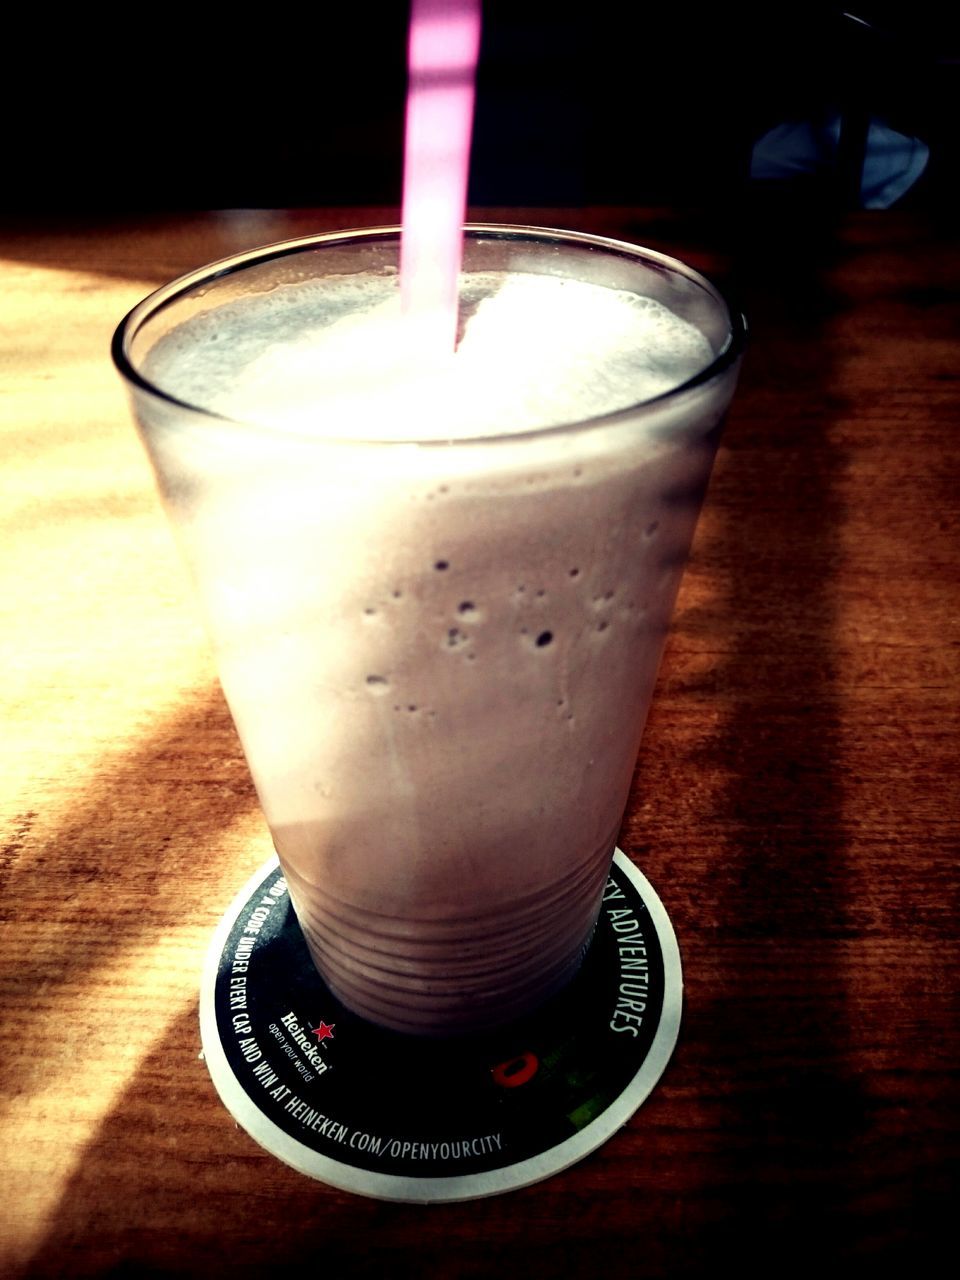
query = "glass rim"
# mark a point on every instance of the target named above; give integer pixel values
(168, 294)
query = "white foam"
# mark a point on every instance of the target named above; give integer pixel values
(536, 351)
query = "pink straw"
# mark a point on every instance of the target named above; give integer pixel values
(444, 43)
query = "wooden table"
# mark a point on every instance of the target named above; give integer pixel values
(795, 804)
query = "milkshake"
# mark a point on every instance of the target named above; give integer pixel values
(438, 589)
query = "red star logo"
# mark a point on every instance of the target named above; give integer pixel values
(324, 1031)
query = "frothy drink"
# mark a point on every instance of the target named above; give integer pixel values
(439, 591)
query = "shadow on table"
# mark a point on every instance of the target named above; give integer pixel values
(108, 877)
(768, 1024)
(785, 1169)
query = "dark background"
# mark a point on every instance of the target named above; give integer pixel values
(608, 103)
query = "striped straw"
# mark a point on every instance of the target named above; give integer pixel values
(443, 48)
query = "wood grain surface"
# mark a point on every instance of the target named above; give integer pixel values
(795, 804)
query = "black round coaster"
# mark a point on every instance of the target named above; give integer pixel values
(408, 1118)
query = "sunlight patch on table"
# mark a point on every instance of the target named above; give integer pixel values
(99, 1027)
